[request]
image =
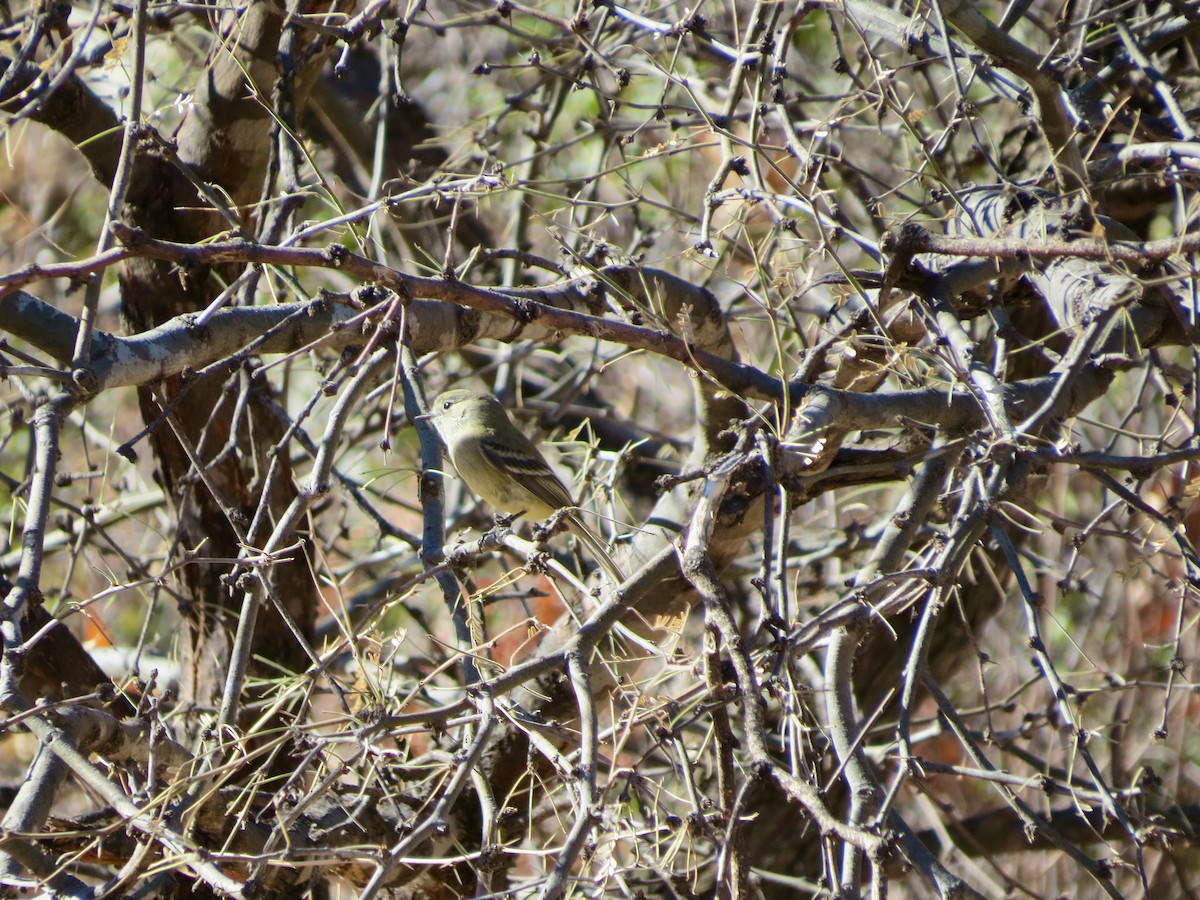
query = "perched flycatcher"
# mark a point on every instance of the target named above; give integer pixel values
(500, 464)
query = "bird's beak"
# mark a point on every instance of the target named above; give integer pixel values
(423, 418)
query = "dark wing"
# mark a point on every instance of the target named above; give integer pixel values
(528, 468)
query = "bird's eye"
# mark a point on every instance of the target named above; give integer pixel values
(447, 405)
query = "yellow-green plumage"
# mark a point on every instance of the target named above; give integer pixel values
(505, 468)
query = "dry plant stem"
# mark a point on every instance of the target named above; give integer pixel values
(282, 191)
(843, 727)
(1031, 820)
(316, 486)
(734, 90)
(1186, 551)
(901, 30)
(62, 742)
(523, 307)
(432, 499)
(1052, 113)
(968, 368)
(59, 375)
(439, 817)
(202, 472)
(698, 569)
(704, 328)
(173, 346)
(47, 424)
(775, 549)
(1062, 693)
(347, 484)
(913, 237)
(169, 349)
(869, 805)
(224, 364)
(587, 805)
(955, 408)
(896, 540)
(35, 32)
(732, 853)
(866, 795)
(365, 21)
(636, 589)
(1161, 87)
(27, 813)
(1049, 785)
(91, 297)
(969, 525)
(91, 730)
(120, 884)
(691, 780)
(960, 91)
(41, 93)
(824, 222)
(313, 795)
(920, 240)
(1068, 375)
(1139, 466)
(965, 529)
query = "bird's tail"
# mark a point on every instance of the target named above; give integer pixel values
(595, 547)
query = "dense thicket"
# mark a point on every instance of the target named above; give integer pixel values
(863, 331)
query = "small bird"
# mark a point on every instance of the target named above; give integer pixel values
(504, 467)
